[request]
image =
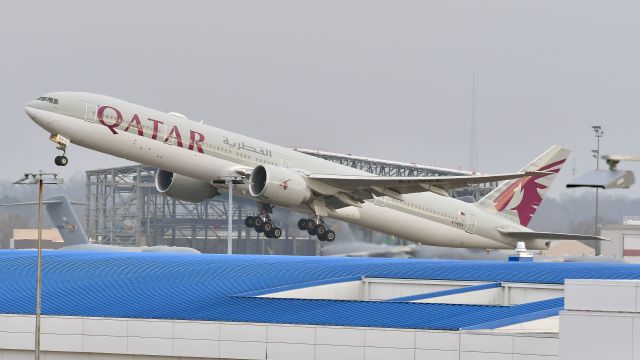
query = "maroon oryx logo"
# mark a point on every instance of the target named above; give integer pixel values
(285, 184)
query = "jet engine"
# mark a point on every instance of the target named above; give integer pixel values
(183, 188)
(278, 186)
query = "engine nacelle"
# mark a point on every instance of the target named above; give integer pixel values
(183, 188)
(279, 186)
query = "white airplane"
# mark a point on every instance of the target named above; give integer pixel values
(195, 161)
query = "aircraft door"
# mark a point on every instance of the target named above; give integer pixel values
(90, 112)
(470, 226)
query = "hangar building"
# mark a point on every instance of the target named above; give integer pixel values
(185, 306)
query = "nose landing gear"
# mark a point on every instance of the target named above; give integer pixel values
(62, 142)
(61, 160)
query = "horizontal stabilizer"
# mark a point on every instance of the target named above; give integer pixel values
(536, 235)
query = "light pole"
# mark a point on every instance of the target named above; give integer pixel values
(41, 178)
(597, 129)
(230, 218)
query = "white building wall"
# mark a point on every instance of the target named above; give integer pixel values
(624, 242)
(601, 320)
(136, 339)
(384, 289)
(350, 290)
(493, 296)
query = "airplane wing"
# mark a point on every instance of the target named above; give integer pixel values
(363, 187)
(533, 235)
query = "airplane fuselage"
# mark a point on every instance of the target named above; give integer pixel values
(174, 143)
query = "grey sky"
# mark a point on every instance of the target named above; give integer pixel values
(386, 79)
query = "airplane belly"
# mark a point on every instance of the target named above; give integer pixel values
(143, 150)
(417, 229)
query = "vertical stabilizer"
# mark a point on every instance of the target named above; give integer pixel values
(65, 219)
(519, 199)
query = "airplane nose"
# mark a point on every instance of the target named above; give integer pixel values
(34, 110)
(30, 109)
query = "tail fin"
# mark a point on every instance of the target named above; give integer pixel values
(65, 219)
(519, 199)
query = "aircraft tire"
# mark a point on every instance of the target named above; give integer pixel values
(259, 225)
(267, 227)
(329, 236)
(250, 221)
(276, 233)
(59, 160)
(311, 226)
(321, 229)
(311, 231)
(302, 224)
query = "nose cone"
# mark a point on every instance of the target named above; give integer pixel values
(35, 111)
(30, 108)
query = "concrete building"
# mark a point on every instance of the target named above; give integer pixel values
(624, 240)
(601, 320)
(183, 306)
(28, 239)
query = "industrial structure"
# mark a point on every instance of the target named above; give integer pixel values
(125, 209)
(624, 239)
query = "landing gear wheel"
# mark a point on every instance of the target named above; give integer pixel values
(250, 221)
(311, 227)
(302, 224)
(329, 236)
(321, 229)
(61, 160)
(267, 227)
(259, 224)
(311, 230)
(276, 233)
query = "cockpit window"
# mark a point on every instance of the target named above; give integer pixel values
(49, 100)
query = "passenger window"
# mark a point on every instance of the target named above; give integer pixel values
(55, 101)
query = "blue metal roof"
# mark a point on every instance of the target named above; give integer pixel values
(214, 287)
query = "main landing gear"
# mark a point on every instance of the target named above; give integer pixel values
(62, 142)
(263, 225)
(317, 226)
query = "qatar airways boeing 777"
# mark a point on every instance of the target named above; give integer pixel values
(196, 161)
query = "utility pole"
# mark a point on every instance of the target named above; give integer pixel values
(473, 151)
(40, 178)
(230, 218)
(597, 129)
